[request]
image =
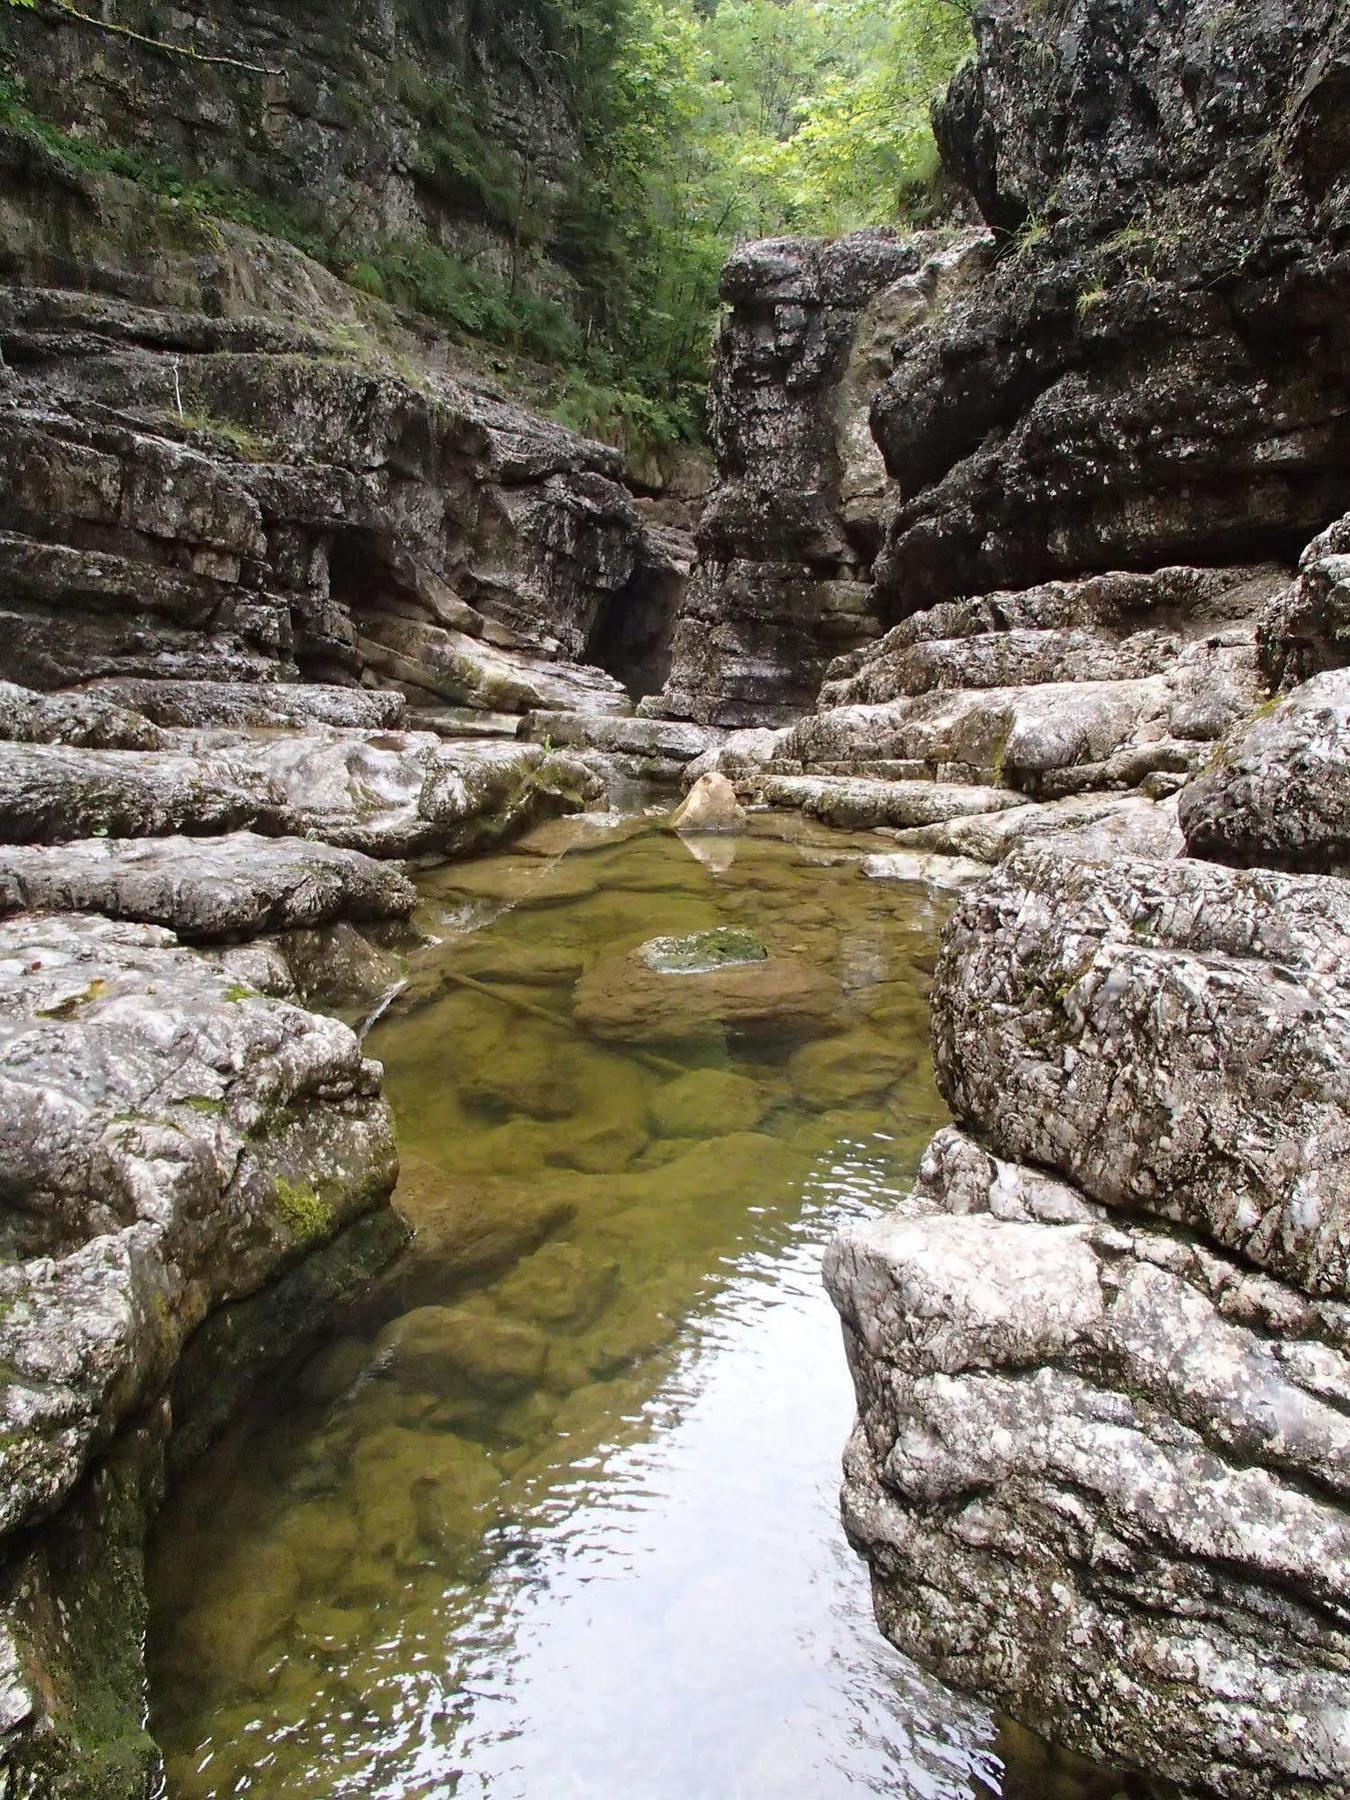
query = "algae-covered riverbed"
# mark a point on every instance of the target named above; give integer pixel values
(553, 1514)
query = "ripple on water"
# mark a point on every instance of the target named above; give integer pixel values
(553, 1512)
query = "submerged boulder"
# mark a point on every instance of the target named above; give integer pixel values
(704, 986)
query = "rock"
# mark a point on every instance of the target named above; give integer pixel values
(419, 1491)
(561, 1286)
(703, 951)
(508, 1072)
(1099, 1471)
(791, 525)
(623, 998)
(1073, 1017)
(853, 803)
(468, 672)
(236, 886)
(1305, 629)
(227, 705)
(638, 745)
(707, 1103)
(1278, 792)
(710, 805)
(192, 1171)
(928, 868)
(471, 1224)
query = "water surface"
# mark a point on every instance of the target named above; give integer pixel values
(553, 1514)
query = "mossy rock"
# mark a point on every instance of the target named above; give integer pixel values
(703, 951)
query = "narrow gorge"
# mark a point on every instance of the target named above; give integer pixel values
(418, 1147)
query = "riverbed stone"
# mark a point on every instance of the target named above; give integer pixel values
(468, 1224)
(855, 1066)
(561, 1286)
(434, 1347)
(625, 1000)
(707, 1103)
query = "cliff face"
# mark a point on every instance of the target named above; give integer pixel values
(1156, 370)
(1101, 1352)
(364, 120)
(785, 546)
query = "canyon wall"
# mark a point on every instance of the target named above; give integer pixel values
(1101, 1352)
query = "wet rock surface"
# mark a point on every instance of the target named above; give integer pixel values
(172, 1143)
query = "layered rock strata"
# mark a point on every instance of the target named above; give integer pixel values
(786, 541)
(1102, 1356)
(1155, 370)
(172, 1143)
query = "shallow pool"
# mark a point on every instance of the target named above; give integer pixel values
(553, 1513)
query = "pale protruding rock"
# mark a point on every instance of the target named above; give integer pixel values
(710, 805)
(1074, 1018)
(1278, 792)
(235, 886)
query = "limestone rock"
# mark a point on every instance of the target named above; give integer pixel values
(1278, 792)
(787, 537)
(1100, 1472)
(1306, 628)
(392, 794)
(235, 886)
(710, 805)
(173, 1143)
(1074, 1011)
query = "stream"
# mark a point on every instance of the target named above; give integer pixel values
(552, 1513)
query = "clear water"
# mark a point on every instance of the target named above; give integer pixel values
(554, 1514)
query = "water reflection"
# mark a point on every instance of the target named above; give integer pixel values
(553, 1513)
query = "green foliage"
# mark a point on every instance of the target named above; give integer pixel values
(703, 123)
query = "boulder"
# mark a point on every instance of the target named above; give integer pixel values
(633, 999)
(710, 805)
(1277, 794)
